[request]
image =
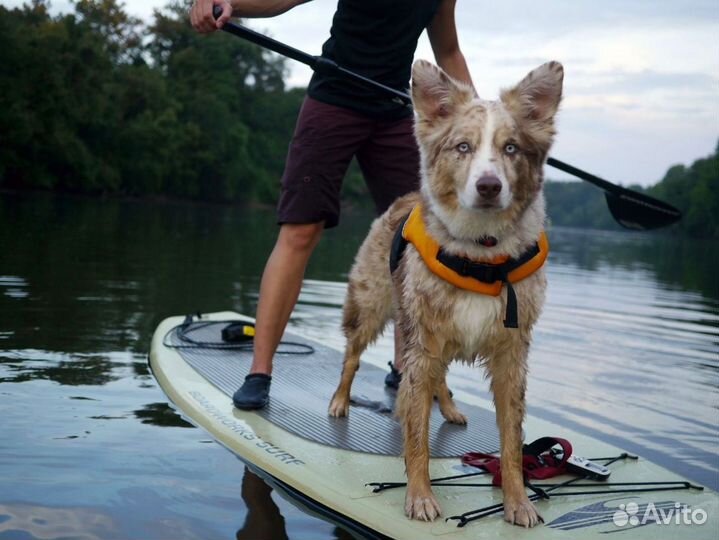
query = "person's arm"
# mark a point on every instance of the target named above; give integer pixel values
(442, 32)
(204, 21)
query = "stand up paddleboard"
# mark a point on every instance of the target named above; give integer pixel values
(348, 469)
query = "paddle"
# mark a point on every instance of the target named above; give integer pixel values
(629, 208)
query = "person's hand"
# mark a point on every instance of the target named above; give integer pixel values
(202, 18)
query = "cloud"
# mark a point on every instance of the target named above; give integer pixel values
(568, 16)
(649, 80)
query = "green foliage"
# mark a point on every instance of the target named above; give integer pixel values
(91, 106)
(577, 204)
(693, 190)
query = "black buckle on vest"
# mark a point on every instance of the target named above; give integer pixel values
(399, 244)
(486, 273)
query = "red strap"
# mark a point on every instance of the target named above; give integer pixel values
(488, 462)
(538, 463)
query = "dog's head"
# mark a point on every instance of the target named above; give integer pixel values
(482, 160)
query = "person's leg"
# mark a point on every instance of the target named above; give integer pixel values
(280, 288)
(390, 162)
(325, 139)
(390, 165)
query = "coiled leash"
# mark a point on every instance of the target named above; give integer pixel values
(227, 334)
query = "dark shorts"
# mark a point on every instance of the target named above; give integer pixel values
(325, 140)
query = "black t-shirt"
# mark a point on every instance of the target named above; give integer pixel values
(377, 39)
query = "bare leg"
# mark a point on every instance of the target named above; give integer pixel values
(280, 288)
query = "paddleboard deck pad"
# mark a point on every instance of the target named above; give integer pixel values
(326, 462)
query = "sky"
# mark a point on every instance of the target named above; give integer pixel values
(641, 86)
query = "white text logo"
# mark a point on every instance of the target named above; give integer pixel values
(631, 514)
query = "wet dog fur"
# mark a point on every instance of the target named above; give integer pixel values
(481, 175)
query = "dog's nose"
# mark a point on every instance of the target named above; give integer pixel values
(488, 186)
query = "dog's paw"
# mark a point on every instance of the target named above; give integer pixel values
(453, 416)
(422, 507)
(521, 512)
(339, 406)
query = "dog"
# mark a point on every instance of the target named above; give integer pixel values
(481, 202)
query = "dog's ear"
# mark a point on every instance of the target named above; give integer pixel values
(434, 93)
(538, 95)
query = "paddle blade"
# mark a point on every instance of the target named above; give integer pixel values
(632, 209)
(639, 212)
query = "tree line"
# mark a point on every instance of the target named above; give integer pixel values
(694, 190)
(96, 102)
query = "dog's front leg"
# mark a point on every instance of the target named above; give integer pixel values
(508, 371)
(414, 404)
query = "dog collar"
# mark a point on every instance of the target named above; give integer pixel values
(479, 276)
(486, 241)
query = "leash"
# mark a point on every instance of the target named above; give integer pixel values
(538, 460)
(233, 334)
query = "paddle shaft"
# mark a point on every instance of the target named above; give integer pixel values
(319, 64)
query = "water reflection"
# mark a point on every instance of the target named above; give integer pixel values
(674, 263)
(627, 349)
(21, 366)
(28, 521)
(161, 414)
(79, 369)
(263, 521)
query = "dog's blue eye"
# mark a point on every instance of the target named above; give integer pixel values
(463, 148)
(510, 148)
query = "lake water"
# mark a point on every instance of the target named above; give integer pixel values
(627, 350)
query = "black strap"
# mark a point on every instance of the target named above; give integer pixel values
(541, 445)
(486, 273)
(398, 246)
(528, 255)
(511, 315)
(491, 273)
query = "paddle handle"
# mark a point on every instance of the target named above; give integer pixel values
(265, 41)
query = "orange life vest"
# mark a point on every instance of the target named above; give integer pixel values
(484, 277)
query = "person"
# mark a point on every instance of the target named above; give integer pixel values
(339, 119)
